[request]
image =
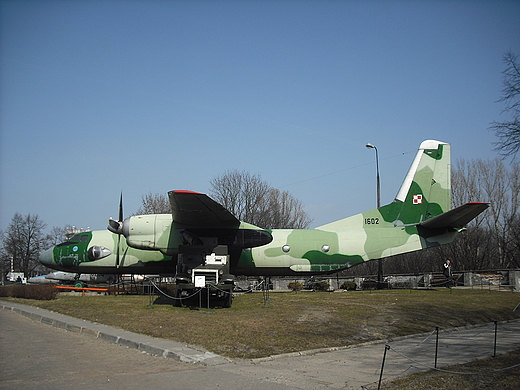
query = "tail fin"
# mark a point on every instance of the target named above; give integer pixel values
(425, 193)
(426, 190)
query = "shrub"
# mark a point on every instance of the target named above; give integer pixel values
(320, 285)
(348, 286)
(295, 286)
(41, 293)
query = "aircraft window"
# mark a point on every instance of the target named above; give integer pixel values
(67, 243)
(78, 238)
(286, 248)
(73, 240)
(98, 252)
(325, 248)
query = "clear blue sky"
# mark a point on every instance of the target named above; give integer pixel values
(99, 97)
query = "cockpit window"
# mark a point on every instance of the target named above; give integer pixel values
(75, 239)
(79, 238)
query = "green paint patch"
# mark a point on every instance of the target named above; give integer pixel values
(435, 153)
(334, 260)
(246, 259)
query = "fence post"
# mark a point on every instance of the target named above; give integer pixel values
(387, 347)
(436, 345)
(495, 343)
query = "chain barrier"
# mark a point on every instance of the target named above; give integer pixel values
(449, 371)
(192, 295)
(169, 296)
(420, 342)
(416, 363)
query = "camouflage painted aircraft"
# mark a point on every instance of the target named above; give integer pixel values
(200, 234)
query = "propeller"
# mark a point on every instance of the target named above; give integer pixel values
(117, 228)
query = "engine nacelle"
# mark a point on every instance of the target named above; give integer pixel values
(152, 232)
(159, 232)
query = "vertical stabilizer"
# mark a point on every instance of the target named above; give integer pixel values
(426, 190)
(425, 193)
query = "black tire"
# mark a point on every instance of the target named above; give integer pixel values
(177, 302)
(228, 300)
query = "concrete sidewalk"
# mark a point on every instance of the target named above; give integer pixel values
(355, 367)
(152, 345)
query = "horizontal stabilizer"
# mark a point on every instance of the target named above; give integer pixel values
(456, 218)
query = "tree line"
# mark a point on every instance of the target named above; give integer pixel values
(23, 241)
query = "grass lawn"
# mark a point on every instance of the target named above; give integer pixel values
(292, 321)
(489, 375)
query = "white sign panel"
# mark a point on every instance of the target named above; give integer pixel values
(200, 281)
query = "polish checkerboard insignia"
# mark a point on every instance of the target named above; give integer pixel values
(417, 199)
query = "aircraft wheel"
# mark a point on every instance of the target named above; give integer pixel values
(228, 300)
(177, 301)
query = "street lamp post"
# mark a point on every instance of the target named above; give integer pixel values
(380, 261)
(369, 145)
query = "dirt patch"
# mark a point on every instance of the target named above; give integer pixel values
(315, 315)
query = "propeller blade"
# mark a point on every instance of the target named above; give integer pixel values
(117, 226)
(121, 207)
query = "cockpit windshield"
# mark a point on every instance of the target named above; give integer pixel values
(80, 238)
(75, 239)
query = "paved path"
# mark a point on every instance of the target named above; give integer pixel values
(78, 354)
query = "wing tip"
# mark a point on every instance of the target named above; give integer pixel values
(185, 192)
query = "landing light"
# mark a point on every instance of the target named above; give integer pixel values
(98, 252)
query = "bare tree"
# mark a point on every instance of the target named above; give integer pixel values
(492, 240)
(5, 259)
(252, 200)
(23, 241)
(508, 131)
(490, 181)
(283, 211)
(57, 235)
(154, 204)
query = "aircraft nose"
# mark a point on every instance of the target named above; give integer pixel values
(46, 257)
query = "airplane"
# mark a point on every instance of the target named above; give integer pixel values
(69, 278)
(202, 244)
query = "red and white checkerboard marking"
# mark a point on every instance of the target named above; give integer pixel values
(417, 199)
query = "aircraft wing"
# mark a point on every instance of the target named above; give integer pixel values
(456, 218)
(196, 210)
